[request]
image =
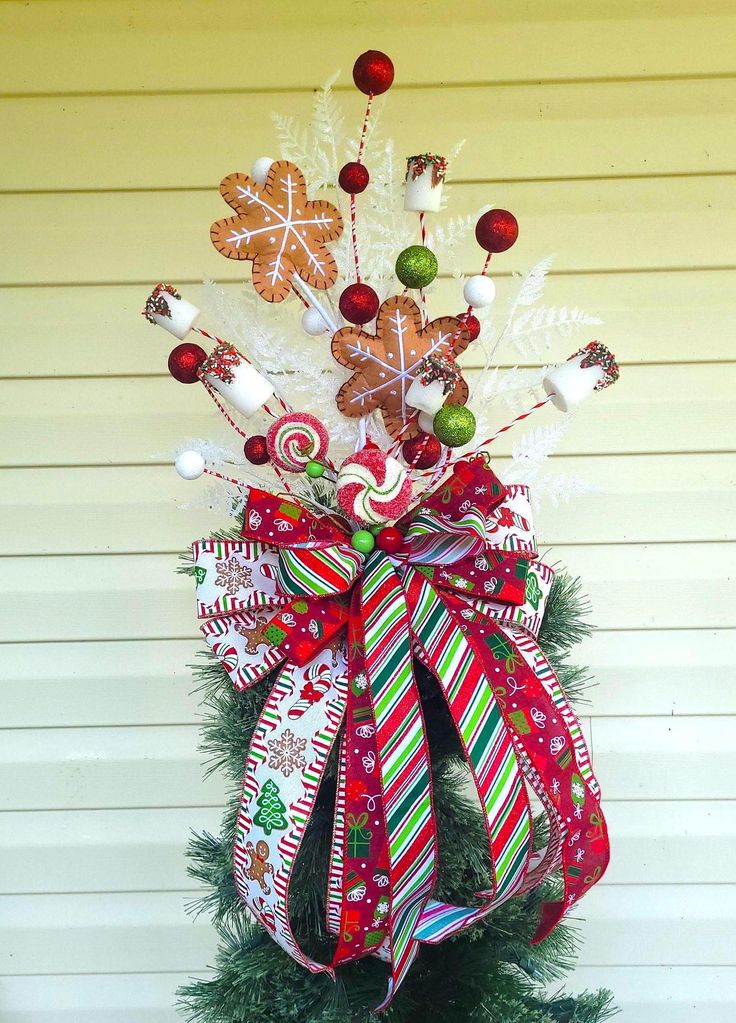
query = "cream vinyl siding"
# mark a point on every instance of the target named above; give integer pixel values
(609, 129)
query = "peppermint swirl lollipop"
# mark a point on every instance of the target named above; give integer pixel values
(372, 487)
(295, 439)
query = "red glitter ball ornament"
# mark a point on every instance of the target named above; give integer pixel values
(359, 303)
(256, 449)
(472, 325)
(497, 230)
(390, 540)
(425, 448)
(353, 178)
(184, 362)
(373, 72)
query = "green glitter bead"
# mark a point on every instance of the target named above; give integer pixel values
(376, 529)
(363, 541)
(416, 267)
(454, 425)
(314, 470)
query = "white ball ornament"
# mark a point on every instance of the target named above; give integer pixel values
(313, 323)
(189, 465)
(259, 170)
(479, 291)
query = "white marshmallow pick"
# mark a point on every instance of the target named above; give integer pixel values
(590, 369)
(425, 176)
(426, 397)
(166, 308)
(425, 421)
(239, 383)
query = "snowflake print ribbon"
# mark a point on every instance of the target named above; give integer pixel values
(465, 596)
(279, 229)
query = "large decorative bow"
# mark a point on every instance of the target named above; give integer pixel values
(465, 595)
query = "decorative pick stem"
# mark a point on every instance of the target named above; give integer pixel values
(306, 292)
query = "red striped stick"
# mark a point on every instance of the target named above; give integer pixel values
(227, 479)
(440, 469)
(359, 159)
(354, 237)
(223, 411)
(239, 483)
(361, 147)
(519, 419)
(422, 298)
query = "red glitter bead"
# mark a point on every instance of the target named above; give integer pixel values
(184, 362)
(373, 72)
(390, 540)
(359, 303)
(256, 450)
(472, 325)
(430, 449)
(354, 178)
(497, 230)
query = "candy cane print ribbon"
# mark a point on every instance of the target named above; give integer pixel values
(286, 762)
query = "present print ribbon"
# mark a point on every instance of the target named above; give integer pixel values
(465, 595)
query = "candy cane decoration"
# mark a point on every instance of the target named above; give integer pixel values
(319, 681)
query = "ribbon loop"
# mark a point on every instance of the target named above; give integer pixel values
(318, 571)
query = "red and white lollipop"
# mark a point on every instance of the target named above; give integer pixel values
(372, 487)
(296, 439)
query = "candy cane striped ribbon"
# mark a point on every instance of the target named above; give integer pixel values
(482, 732)
(403, 758)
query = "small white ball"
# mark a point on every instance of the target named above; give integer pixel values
(259, 170)
(189, 465)
(426, 422)
(313, 323)
(479, 291)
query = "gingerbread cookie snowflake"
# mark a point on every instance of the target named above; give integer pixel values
(386, 363)
(279, 229)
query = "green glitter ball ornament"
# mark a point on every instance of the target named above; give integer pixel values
(454, 425)
(416, 267)
(363, 541)
(314, 470)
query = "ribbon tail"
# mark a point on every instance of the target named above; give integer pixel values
(403, 759)
(285, 765)
(489, 752)
(358, 896)
(334, 901)
(550, 742)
